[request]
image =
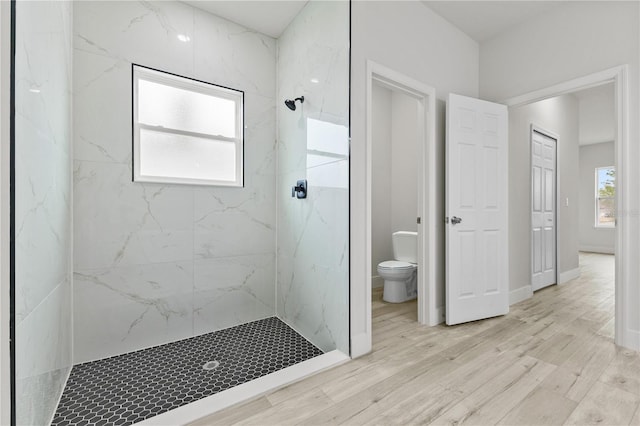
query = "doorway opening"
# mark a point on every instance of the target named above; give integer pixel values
(394, 224)
(575, 232)
(423, 98)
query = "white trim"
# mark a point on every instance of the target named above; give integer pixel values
(427, 312)
(361, 343)
(624, 335)
(565, 277)
(580, 83)
(248, 391)
(5, 83)
(520, 294)
(597, 249)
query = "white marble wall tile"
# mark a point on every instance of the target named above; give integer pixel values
(312, 276)
(119, 222)
(43, 212)
(102, 108)
(43, 239)
(144, 32)
(235, 222)
(235, 56)
(49, 326)
(232, 291)
(43, 351)
(123, 230)
(123, 309)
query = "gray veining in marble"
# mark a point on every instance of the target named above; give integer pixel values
(155, 263)
(43, 207)
(312, 276)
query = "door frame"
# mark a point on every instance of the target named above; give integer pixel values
(556, 182)
(624, 336)
(392, 79)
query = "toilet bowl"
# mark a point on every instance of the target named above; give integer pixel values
(400, 275)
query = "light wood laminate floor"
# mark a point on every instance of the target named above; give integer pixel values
(551, 360)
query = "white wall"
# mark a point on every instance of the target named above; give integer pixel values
(571, 41)
(560, 116)
(381, 248)
(43, 196)
(597, 114)
(598, 240)
(156, 263)
(313, 144)
(404, 162)
(394, 178)
(410, 38)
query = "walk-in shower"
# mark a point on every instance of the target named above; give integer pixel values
(133, 298)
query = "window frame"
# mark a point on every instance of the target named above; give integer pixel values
(598, 198)
(139, 72)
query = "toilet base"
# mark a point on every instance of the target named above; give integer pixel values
(396, 292)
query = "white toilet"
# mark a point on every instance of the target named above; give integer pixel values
(400, 275)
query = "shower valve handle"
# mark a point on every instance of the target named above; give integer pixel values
(300, 190)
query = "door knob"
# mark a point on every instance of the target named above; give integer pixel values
(456, 220)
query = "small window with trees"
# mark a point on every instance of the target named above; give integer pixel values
(186, 131)
(605, 197)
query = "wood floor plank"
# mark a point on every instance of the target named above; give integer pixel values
(551, 360)
(290, 411)
(605, 405)
(540, 407)
(624, 371)
(236, 415)
(500, 395)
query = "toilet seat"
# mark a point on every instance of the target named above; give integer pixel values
(396, 265)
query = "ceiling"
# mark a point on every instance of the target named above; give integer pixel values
(483, 20)
(267, 17)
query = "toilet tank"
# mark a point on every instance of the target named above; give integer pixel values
(405, 246)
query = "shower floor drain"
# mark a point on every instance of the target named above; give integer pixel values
(211, 365)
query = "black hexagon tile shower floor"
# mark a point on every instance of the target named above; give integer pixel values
(129, 388)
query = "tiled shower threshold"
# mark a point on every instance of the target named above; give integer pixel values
(182, 381)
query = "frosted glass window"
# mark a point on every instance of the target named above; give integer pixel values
(161, 105)
(190, 157)
(186, 131)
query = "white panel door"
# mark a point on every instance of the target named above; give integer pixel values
(543, 210)
(476, 207)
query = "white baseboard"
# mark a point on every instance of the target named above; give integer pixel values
(247, 391)
(520, 294)
(568, 275)
(597, 249)
(630, 339)
(377, 281)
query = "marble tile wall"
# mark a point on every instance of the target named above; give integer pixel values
(43, 207)
(313, 252)
(155, 263)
